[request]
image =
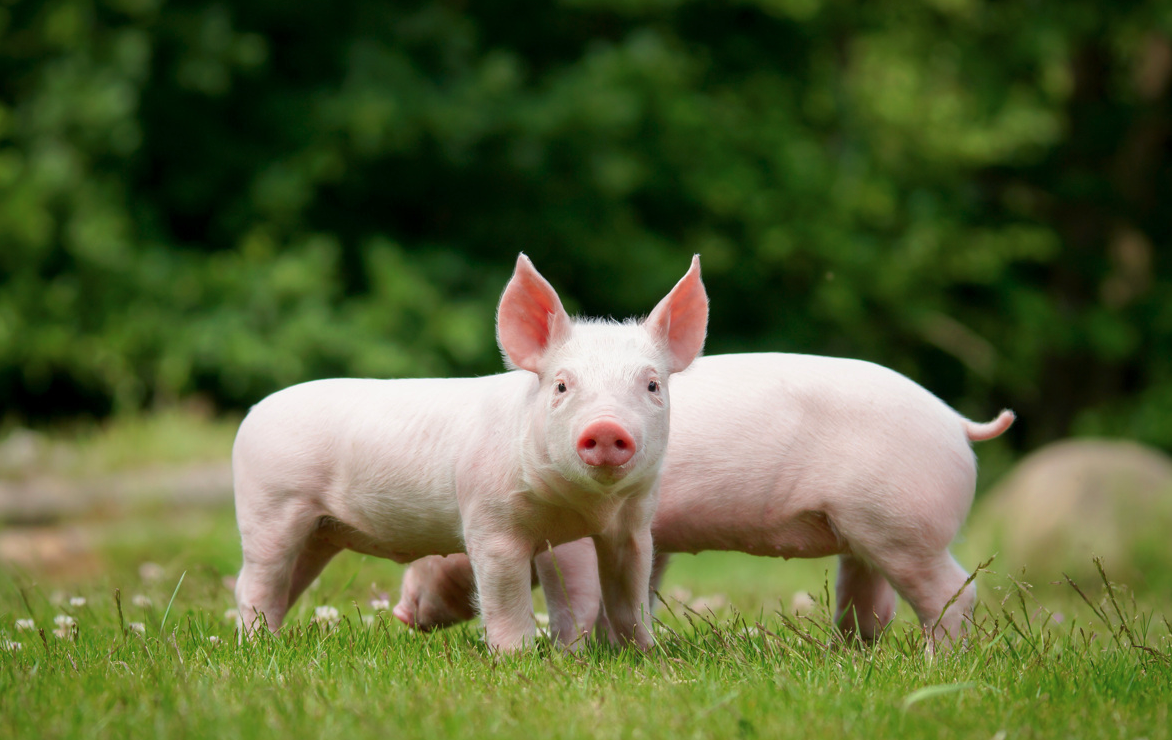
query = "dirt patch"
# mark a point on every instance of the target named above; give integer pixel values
(59, 551)
(52, 524)
(44, 499)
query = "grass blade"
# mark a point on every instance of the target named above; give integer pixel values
(941, 689)
(169, 603)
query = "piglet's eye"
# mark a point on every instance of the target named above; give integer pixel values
(653, 386)
(561, 387)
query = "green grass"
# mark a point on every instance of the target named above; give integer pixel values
(170, 436)
(757, 672)
(174, 435)
(1041, 663)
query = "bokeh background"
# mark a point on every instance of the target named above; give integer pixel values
(202, 202)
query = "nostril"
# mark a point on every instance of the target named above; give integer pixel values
(606, 443)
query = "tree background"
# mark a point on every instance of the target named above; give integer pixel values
(215, 200)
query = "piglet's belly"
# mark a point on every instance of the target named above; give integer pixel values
(808, 534)
(402, 547)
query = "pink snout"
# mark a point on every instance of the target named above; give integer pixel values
(605, 443)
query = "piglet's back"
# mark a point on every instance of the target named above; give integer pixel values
(763, 442)
(364, 435)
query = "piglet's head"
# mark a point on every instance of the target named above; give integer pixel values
(601, 408)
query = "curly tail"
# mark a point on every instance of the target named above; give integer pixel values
(981, 432)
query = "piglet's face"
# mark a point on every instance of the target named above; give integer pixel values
(605, 403)
(601, 411)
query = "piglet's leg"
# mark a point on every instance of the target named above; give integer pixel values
(438, 591)
(866, 601)
(624, 567)
(569, 578)
(502, 566)
(658, 567)
(934, 585)
(281, 557)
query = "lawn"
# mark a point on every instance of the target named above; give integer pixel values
(137, 641)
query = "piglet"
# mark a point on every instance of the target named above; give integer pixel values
(567, 445)
(791, 456)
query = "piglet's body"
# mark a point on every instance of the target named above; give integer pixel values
(793, 456)
(567, 446)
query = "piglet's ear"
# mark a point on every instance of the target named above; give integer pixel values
(681, 318)
(530, 318)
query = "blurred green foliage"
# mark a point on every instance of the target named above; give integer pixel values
(202, 197)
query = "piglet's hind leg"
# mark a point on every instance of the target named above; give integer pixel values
(866, 601)
(935, 587)
(280, 559)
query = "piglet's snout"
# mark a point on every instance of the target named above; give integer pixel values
(606, 443)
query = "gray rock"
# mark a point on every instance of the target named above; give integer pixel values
(1073, 500)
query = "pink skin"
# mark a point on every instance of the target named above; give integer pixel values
(605, 443)
(792, 456)
(489, 466)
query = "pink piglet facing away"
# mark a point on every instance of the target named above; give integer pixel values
(791, 456)
(567, 445)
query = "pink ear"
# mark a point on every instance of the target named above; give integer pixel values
(530, 318)
(681, 318)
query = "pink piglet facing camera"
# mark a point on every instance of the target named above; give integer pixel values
(790, 456)
(566, 445)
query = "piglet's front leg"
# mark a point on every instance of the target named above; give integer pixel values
(502, 566)
(624, 568)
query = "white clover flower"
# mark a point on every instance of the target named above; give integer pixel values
(141, 600)
(64, 633)
(710, 603)
(150, 572)
(368, 620)
(232, 615)
(25, 624)
(541, 618)
(326, 613)
(11, 647)
(802, 603)
(64, 620)
(213, 639)
(138, 627)
(77, 601)
(380, 605)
